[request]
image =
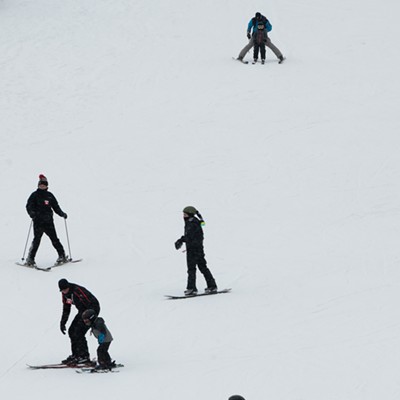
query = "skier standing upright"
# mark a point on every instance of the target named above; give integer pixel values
(251, 31)
(193, 237)
(40, 206)
(260, 38)
(83, 300)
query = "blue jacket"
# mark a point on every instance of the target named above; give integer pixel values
(253, 25)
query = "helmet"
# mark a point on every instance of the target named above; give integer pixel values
(89, 316)
(190, 210)
(236, 397)
(258, 15)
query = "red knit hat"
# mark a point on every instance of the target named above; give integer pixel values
(43, 180)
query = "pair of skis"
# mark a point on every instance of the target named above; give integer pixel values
(79, 368)
(246, 62)
(48, 269)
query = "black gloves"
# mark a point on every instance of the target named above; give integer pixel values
(32, 215)
(248, 35)
(178, 243)
(65, 215)
(63, 329)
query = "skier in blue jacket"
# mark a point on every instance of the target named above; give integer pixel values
(251, 33)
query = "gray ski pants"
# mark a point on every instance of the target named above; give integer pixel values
(269, 44)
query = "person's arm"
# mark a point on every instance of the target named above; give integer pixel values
(30, 206)
(57, 209)
(65, 316)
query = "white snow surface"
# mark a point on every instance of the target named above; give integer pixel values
(134, 109)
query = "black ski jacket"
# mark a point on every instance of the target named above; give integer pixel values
(81, 298)
(193, 236)
(41, 204)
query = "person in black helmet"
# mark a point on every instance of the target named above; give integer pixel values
(104, 338)
(252, 28)
(40, 206)
(83, 300)
(193, 238)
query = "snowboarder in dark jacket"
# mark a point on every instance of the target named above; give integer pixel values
(103, 336)
(83, 300)
(40, 206)
(193, 238)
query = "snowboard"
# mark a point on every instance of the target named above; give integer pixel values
(170, 297)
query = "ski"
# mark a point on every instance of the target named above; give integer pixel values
(47, 269)
(70, 261)
(93, 370)
(61, 366)
(238, 59)
(170, 297)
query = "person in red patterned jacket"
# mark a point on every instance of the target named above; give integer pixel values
(82, 299)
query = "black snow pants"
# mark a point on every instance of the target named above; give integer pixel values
(49, 229)
(195, 257)
(259, 47)
(76, 333)
(103, 357)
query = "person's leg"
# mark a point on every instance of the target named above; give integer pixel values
(191, 270)
(246, 49)
(103, 357)
(77, 332)
(202, 265)
(50, 231)
(274, 49)
(37, 237)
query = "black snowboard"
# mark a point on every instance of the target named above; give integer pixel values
(169, 297)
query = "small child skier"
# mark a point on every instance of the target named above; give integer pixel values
(260, 39)
(104, 337)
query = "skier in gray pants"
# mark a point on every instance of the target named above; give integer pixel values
(252, 26)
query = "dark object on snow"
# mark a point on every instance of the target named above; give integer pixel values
(83, 300)
(257, 21)
(193, 237)
(196, 294)
(103, 335)
(236, 397)
(40, 207)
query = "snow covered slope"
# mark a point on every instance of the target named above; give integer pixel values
(133, 110)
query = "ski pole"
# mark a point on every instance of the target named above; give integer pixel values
(27, 238)
(69, 247)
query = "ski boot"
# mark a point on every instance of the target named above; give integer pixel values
(61, 260)
(30, 262)
(190, 292)
(69, 360)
